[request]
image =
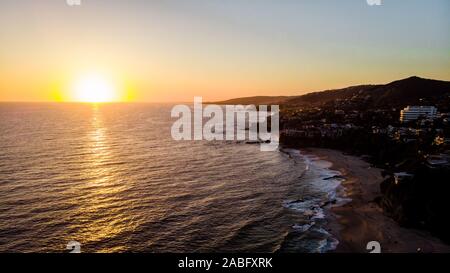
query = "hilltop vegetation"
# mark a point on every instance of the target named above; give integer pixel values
(413, 90)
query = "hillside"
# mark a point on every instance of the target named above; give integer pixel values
(411, 90)
(258, 100)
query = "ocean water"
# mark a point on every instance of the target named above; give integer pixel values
(110, 177)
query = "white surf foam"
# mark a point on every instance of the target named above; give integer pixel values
(323, 180)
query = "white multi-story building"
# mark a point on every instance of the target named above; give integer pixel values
(414, 112)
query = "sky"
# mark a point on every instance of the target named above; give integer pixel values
(162, 51)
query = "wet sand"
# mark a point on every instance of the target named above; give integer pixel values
(362, 220)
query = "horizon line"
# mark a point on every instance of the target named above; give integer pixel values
(221, 100)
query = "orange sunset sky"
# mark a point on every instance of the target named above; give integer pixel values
(161, 51)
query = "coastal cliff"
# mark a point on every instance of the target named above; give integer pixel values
(419, 200)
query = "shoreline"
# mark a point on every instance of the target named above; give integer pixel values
(361, 220)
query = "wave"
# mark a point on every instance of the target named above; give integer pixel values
(327, 191)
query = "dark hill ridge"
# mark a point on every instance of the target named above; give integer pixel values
(398, 93)
(410, 91)
(257, 100)
(322, 97)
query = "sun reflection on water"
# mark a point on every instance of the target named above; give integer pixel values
(102, 216)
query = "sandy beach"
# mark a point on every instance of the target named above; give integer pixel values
(362, 220)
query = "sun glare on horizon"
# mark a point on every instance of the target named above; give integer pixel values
(95, 88)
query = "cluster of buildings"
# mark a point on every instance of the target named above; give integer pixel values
(415, 126)
(317, 122)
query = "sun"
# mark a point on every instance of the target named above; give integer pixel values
(94, 88)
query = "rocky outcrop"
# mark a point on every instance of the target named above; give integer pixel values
(421, 201)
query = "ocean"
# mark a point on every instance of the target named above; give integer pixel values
(110, 177)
